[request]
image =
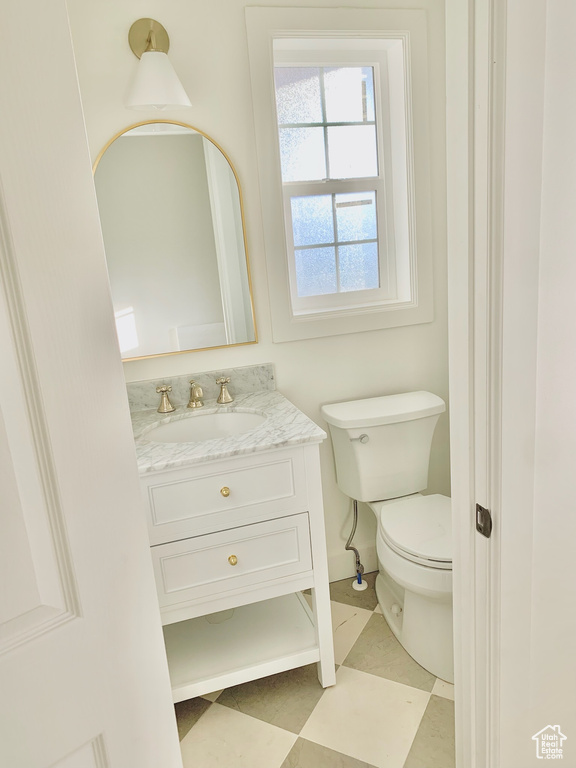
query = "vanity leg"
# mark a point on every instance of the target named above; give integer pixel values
(321, 590)
(323, 620)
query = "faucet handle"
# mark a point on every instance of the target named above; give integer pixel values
(224, 396)
(165, 404)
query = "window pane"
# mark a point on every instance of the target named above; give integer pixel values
(349, 94)
(358, 267)
(312, 220)
(356, 216)
(352, 151)
(302, 154)
(315, 271)
(298, 94)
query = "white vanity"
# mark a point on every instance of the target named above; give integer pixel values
(236, 526)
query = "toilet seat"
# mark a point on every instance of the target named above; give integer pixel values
(418, 528)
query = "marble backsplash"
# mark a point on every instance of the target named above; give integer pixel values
(250, 378)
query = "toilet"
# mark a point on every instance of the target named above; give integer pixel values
(382, 451)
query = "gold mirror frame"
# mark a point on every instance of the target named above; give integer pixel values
(241, 202)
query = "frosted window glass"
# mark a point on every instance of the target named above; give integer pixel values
(352, 151)
(302, 154)
(349, 93)
(356, 216)
(312, 220)
(358, 267)
(316, 271)
(298, 94)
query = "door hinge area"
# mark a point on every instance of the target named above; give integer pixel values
(483, 521)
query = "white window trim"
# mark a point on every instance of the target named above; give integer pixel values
(265, 25)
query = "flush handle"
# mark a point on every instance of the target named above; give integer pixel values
(363, 438)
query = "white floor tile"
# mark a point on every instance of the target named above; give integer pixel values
(347, 624)
(444, 689)
(224, 737)
(367, 717)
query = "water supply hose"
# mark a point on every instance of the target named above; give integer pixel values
(359, 566)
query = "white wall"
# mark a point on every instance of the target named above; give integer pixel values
(208, 50)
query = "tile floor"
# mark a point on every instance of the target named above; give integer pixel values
(385, 711)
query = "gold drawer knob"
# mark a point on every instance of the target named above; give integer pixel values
(225, 491)
(232, 559)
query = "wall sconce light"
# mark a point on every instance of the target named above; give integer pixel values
(155, 84)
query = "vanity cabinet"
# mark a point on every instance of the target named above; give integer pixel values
(234, 542)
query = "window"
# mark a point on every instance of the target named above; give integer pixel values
(333, 185)
(346, 220)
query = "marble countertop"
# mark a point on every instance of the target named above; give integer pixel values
(285, 425)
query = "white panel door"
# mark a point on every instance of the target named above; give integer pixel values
(83, 673)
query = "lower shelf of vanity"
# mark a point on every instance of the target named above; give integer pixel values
(216, 651)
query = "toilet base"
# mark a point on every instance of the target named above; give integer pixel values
(422, 625)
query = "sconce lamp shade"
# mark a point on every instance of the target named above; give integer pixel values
(156, 84)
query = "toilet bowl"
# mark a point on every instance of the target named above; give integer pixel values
(382, 450)
(414, 583)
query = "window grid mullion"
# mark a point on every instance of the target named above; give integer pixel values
(311, 246)
(328, 124)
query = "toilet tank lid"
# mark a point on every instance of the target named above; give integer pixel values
(387, 409)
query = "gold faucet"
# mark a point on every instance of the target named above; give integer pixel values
(165, 404)
(196, 395)
(224, 396)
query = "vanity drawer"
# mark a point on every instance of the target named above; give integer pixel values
(217, 563)
(224, 495)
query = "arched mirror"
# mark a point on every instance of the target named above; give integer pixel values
(173, 227)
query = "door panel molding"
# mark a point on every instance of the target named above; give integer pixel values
(46, 595)
(90, 755)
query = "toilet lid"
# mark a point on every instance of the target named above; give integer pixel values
(420, 526)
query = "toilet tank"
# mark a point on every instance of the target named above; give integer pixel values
(393, 460)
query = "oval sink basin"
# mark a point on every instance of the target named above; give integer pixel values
(205, 426)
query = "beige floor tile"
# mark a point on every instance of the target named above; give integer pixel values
(225, 738)
(285, 700)
(433, 746)
(188, 713)
(378, 652)
(367, 717)
(212, 696)
(342, 592)
(347, 623)
(307, 754)
(442, 688)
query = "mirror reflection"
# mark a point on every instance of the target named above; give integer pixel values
(173, 230)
